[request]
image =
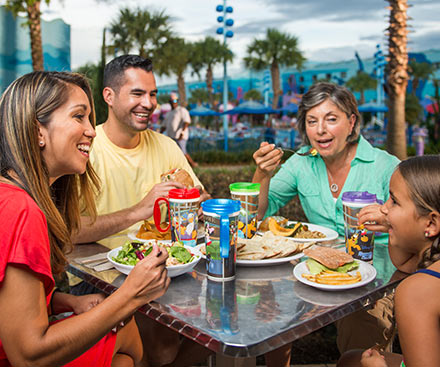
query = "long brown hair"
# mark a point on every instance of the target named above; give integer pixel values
(422, 177)
(31, 98)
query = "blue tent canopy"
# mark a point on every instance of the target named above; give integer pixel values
(250, 108)
(372, 107)
(291, 108)
(203, 111)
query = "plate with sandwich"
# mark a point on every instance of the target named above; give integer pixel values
(333, 270)
(297, 231)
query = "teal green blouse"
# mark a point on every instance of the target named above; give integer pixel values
(371, 170)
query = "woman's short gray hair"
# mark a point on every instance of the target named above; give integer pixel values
(340, 96)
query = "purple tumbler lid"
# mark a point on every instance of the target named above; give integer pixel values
(359, 197)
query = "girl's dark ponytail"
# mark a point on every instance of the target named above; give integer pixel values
(431, 255)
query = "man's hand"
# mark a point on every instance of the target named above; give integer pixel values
(144, 209)
(267, 158)
(203, 197)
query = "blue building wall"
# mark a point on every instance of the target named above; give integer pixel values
(299, 81)
(15, 51)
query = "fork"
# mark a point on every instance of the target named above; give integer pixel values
(311, 151)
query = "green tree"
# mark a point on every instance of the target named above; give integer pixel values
(275, 51)
(200, 95)
(253, 95)
(397, 77)
(33, 13)
(419, 71)
(413, 109)
(139, 29)
(360, 83)
(206, 54)
(173, 58)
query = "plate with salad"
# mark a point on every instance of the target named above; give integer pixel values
(181, 259)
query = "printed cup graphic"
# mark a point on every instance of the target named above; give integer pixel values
(247, 193)
(221, 220)
(182, 207)
(359, 242)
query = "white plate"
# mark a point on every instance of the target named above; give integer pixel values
(268, 262)
(173, 271)
(132, 236)
(368, 274)
(330, 234)
(262, 262)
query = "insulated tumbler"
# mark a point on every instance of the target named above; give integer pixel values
(359, 242)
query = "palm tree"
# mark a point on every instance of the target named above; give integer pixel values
(208, 53)
(199, 95)
(360, 83)
(413, 109)
(32, 10)
(173, 58)
(276, 50)
(253, 95)
(121, 32)
(397, 77)
(419, 71)
(141, 30)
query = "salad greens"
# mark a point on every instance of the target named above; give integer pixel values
(132, 252)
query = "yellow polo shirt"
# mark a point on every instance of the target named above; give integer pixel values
(127, 175)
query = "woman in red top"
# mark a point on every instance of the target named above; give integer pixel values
(46, 129)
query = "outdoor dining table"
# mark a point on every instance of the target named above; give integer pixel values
(261, 310)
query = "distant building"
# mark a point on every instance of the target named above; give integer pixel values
(297, 82)
(15, 47)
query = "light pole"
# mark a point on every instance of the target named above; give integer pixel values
(226, 34)
(379, 66)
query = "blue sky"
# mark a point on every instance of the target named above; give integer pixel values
(327, 30)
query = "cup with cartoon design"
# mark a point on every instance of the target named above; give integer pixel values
(359, 242)
(182, 205)
(220, 220)
(247, 193)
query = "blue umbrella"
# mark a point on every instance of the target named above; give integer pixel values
(250, 108)
(203, 111)
(291, 108)
(372, 107)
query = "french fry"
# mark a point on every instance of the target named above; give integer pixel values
(333, 278)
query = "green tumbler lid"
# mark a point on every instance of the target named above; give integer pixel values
(244, 187)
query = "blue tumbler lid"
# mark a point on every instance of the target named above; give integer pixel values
(221, 206)
(359, 197)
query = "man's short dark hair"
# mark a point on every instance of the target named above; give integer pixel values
(115, 69)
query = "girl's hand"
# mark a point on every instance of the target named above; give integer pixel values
(84, 303)
(267, 158)
(148, 280)
(373, 219)
(64, 302)
(372, 358)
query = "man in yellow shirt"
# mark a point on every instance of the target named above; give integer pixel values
(129, 159)
(127, 156)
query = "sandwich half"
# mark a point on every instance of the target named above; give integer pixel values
(327, 258)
